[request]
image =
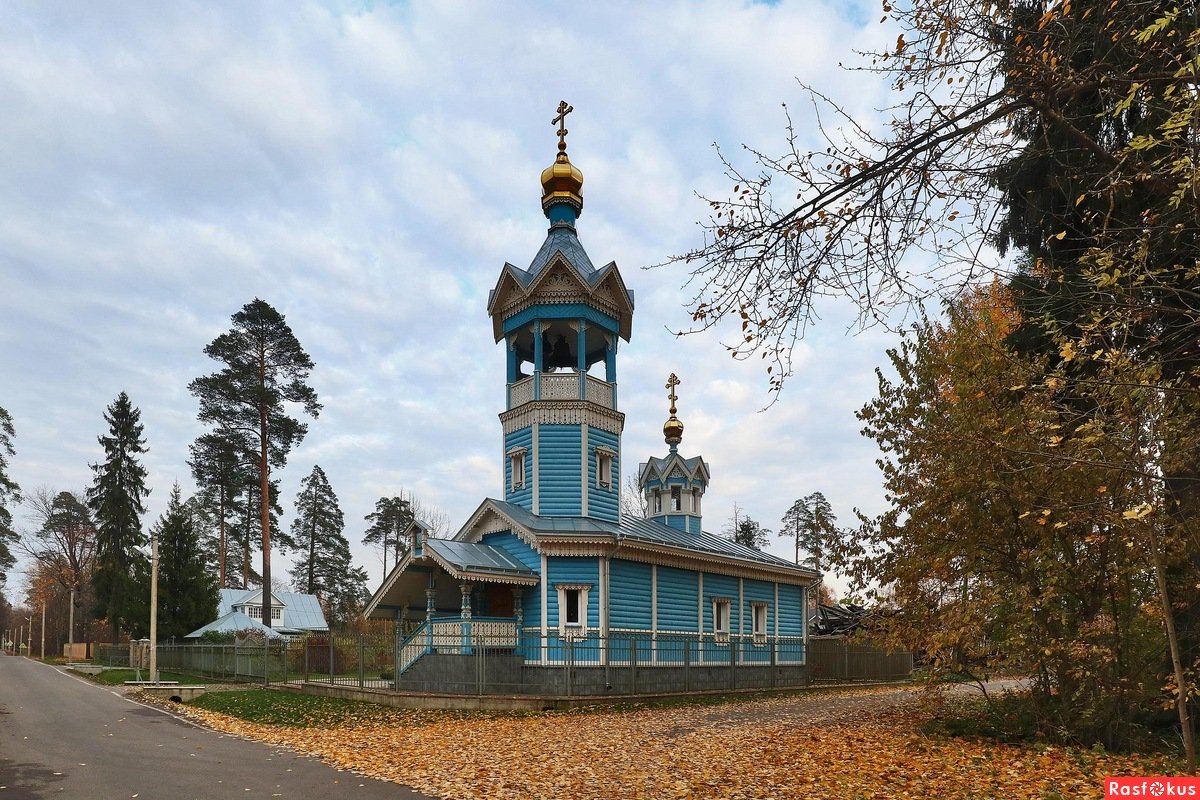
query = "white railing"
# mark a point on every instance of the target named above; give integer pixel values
(447, 635)
(561, 386)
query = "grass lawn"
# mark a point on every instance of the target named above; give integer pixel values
(114, 677)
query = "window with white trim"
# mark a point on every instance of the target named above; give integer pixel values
(758, 615)
(676, 498)
(720, 611)
(516, 464)
(696, 501)
(573, 608)
(657, 501)
(604, 467)
(255, 612)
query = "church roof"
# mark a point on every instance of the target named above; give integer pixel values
(562, 238)
(633, 529)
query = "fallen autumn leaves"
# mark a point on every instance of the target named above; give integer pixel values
(835, 745)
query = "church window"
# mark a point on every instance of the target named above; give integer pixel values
(516, 463)
(572, 608)
(759, 617)
(721, 617)
(676, 498)
(695, 501)
(657, 501)
(604, 467)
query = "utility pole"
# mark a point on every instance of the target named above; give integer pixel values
(71, 627)
(153, 608)
(43, 630)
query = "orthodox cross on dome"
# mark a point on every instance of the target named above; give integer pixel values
(673, 429)
(561, 122)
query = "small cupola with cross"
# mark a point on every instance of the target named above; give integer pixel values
(673, 487)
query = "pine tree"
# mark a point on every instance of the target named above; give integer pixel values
(116, 500)
(265, 368)
(219, 462)
(324, 568)
(811, 522)
(187, 593)
(9, 492)
(389, 521)
(743, 530)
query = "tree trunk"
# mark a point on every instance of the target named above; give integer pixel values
(312, 552)
(221, 542)
(1181, 702)
(264, 483)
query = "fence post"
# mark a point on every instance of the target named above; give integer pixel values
(306, 638)
(284, 651)
(774, 662)
(396, 631)
(633, 665)
(732, 662)
(687, 665)
(266, 656)
(570, 666)
(361, 652)
(846, 659)
(330, 637)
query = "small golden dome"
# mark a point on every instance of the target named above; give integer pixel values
(562, 182)
(673, 430)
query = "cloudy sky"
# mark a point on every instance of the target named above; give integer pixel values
(367, 168)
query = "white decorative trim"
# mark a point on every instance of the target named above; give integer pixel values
(562, 412)
(579, 630)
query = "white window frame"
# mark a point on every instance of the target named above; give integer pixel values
(696, 501)
(517, 468)
(657, 501)
(759, 615)
(604, 467)
(579, 629)
(719, 605)
(255, 612)
(677, 499)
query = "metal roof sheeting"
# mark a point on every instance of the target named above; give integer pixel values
(231, 623)
(300, 611)
(471, 557)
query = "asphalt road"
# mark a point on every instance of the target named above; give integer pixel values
(64, 737)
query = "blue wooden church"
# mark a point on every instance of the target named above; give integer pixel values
(554, 573)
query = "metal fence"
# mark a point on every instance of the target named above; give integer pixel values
(481, 659)
(837, 658)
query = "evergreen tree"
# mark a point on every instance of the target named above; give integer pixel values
(187, 593)
(811, 522)
(222, 465)
(745, 531)
(265, 368)
(324, 568)
(9, 493)
(389, 521)
(116, 500)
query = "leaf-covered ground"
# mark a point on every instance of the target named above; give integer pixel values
(820, 745)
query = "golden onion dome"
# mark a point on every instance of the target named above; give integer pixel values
(673, 431)
(562, 182)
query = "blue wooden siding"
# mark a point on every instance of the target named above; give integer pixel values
(559, 470)
(603, 503)
(573, 569)
(629, 595)
(677, 590)
(546, 311)
(791, 610)
(522, 497)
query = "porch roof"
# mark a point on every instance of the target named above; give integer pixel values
(469, 557)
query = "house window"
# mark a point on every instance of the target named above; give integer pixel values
(657, 501)
(255, 612)
(696, 501)
(604, 467)
(721, 618)
(572, 609)
(676, 498)
(516, 463)
(759, 617)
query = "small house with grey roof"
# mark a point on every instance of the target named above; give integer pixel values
(292, 614)
(551, 571)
